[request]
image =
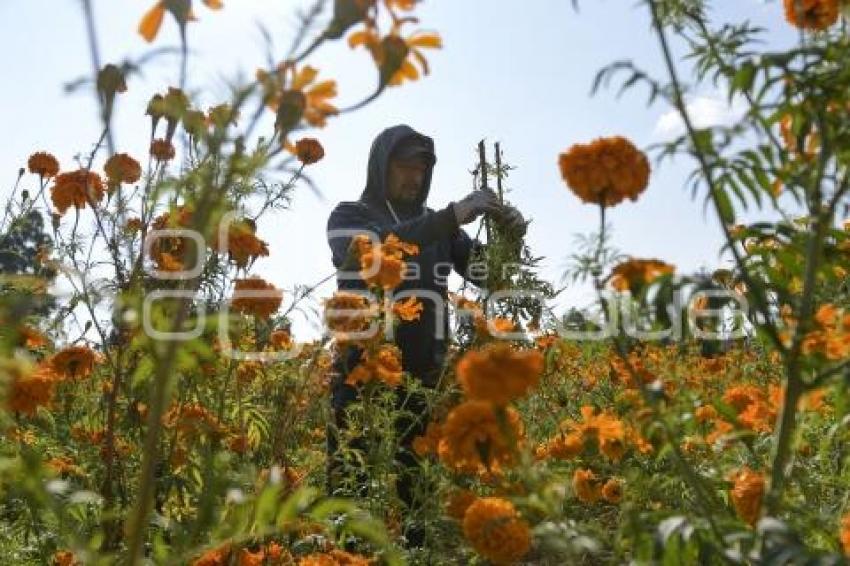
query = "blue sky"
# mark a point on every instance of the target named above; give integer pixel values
(519, 73)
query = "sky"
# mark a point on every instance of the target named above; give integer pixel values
(517, 73)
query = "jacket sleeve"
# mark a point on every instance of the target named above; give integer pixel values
(422, 230)
(462, 249)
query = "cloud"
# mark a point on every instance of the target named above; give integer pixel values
(705, 111)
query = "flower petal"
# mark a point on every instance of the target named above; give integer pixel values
(362, 37)
(324, 89)
(427, 40)
(304, 77)
(151, 22)
(214, 4)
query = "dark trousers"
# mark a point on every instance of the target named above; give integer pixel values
(412, 420)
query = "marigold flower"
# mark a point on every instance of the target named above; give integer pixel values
(335, 557)
(309, 151)
(561, 447)
(604, 429)
(214, 557)
(606, 171)
(408, 309)
(258, 297)
(280, 340)
(612, 491)
(73, 362)
(430, 441)
(43, 164)
(348, 313)
(747, 494)
(496, 531)
(395, 55)
(152, 20)
(586, 486)
(478, 437)
(816, 15)
(30, 387)
(499, 373)
(382, 365)
(162, 150)
(382, 265)
(121, 168)
(76, 189)
(844, 534)
(294, 94)
(634, 274)
(65, 558)
(241, 243)
(459, 501)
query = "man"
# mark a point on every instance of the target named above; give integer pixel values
(398, 184)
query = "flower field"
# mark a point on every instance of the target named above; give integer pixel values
(174, 416)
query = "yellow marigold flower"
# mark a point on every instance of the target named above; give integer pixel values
(747, 494)
(479, 437)
(586, 486)
(162, 150)
(309, 151)
(499, 373)
(152, 20)
(844, 534)
(633, 274)
(30, 388)
(459, 501)
(73, 362)
(606, 171)
(382, 265)
(348, 313)
(816, 15)
(496, 531)
(43, 164)
(76, 189)
(612, 491)
(121, 168)
(260, 298)
(382, 365)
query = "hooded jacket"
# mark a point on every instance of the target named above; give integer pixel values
(443, 246)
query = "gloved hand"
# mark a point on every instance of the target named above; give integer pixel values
(512, 219)
(475, 204)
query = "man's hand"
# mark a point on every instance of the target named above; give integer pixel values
(475, 204)
(512, 218)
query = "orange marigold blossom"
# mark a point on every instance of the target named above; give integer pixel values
(43, 164)
(586, 486)
(152, 19)
(162, 150)
(634, 274)
(76, 189)
(408, 309)
(496, 531)
(844, 534)
(309, 151)
(499, 373)
(73, 362)
(240, 242)
(382, 265)
(30, 387)
(335, 557)
(612, 491)
(256, 296)
(815, 15)
(606, 171)
(747, 493)
(458, 502)
(604, 429)
(395, 53)
(121, 168)
(382, 365)
(214, 557)
(65, 558)
(478, 437)
(429, 442)
(297, 91)
(348, 314)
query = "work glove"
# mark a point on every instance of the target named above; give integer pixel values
(475, 204)
(512, 219)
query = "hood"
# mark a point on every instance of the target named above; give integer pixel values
(375, 193)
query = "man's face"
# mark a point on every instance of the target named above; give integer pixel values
(405, 179)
